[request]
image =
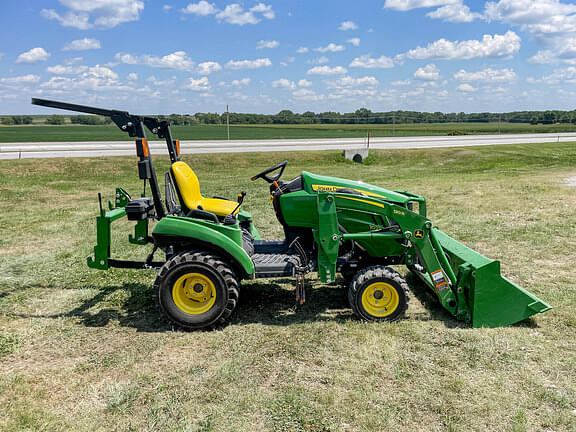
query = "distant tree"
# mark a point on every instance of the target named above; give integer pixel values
(284, 117)
(363, 115)
(7, 121)
(55, 120)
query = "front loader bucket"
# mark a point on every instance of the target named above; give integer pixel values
(492, 299)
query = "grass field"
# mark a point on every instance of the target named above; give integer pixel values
(85, 350)
(43, 133)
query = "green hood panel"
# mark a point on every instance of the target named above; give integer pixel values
(315, 182)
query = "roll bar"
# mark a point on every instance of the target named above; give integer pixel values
(134, 126)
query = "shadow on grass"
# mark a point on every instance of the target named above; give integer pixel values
(127, 305)
(131, 305)
(136, 310)
(431, 304)
(268, 303)
(271, 304)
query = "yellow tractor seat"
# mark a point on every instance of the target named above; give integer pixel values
(189, 192)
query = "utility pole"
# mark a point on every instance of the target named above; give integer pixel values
(499, 124)
(368, 140)
(228, 122)
(393, 124)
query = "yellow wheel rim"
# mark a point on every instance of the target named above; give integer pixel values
(380, 299)
(194, 293)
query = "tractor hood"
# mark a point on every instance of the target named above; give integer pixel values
(314, 183)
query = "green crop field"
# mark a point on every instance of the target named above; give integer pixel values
(43, 133)
(86, 350)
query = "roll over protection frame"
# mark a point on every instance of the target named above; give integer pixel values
(133, 125)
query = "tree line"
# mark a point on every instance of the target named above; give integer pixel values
(360, 116)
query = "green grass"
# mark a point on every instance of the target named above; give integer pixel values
(43, 133)
(86, 350)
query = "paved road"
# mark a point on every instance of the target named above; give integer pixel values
(126, 148)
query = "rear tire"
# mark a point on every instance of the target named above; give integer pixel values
(194, 290)
(379, 293)
(247, 242)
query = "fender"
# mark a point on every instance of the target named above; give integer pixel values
(173, 231)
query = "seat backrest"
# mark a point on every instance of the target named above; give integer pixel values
(187, 184)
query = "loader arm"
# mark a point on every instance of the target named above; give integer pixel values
(467, 284)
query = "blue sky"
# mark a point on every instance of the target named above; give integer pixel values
(177, 56)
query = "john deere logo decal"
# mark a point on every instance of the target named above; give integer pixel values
(419, 234)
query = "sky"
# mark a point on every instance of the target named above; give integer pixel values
(175, 56)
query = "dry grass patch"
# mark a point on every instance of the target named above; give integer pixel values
(86, 350)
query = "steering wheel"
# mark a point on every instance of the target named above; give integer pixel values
(272, 178)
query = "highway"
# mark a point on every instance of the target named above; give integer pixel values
(126, 148)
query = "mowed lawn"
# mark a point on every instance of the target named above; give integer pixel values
(44, 133)
(86, 350)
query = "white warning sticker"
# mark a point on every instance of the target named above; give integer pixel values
(439, 280)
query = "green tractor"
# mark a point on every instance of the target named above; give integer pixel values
(331, 226)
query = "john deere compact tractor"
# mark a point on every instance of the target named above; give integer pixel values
(331, 226)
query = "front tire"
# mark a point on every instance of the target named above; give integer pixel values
(194, 290)
(379, 293)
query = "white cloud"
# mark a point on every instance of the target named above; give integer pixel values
(235, 14)
(427, 73)
(132, 76)
(368, 62)
(565, 75)
(544, 57)
(265, 10)
(101, 72)
(201, 84)
(348, 93)
(177, 60)
(66, 69)
(354, 41)
(33, 56)
(267, 44)
(85, 14)
(456, 13)
(232, 13)
(405, 82)
(466, 88)
(82, 44)
(535, 16)
(302, 50)
(235, 83)
(347, 25)
(284, 83)
(25, 79)
(160, 83)
(304, 83)
(348, 82)
(96, 78)
(80, 21)
(248, 64)
(305, 94)
(241, 82)
(405, 5)
(327, 70)
(206, 68)
(318, 61)
(486, 75)
(202, 8)
(505, 45)
(167, 8)
(331, 47)
(564, 51)
(288, 61)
